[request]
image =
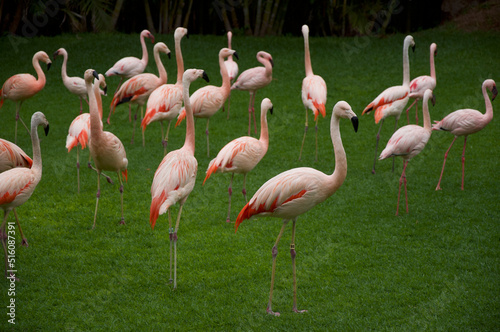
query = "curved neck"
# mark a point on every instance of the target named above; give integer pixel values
(189, 141)
(489, 107)
(264, 132)
(37, 156)
(98, 98)
(267, 64)
(95, 121)
(226, 84)
(144, 58)
(161, 69)
(427, 117)
(433, 70)
(337, 178)
(406, 66)
(309, 70)
(180, 61)
(41, 75)
(64, 73)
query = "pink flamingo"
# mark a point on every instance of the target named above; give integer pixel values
(175, 177)
(254, 79)
(137, 89)
(465, 122)
(392, 100)
(409, 141)
(242, 154)
(296, 191)
(75, 85)
(20, 87)
(106, 149)
(313, 91)
(209, 99)
(12, 156)
(17, 184)
(130, 66)
(419, 84)
(164, 103)
(79, 132)
(232, 68)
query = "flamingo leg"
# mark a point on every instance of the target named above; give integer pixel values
(463, 162)
(165, 141)
(316, 130)
(95, 169)
(206, 133)
(135, 121)
(250, 105)
(175, 245)
(97, 195)
(253, 112)
(129, 112)
(81, 105)
(304, 138)
(416, 111)
(401, 179)
(78, 168)
(275, 254)
(376, 145)
(18, 117)
(293, 254)
(228, 104)
(24, 241)
(230, 191)
(142, 117)
(408, 110)
(122, 220)
(171, 238)
(244, 191)
(438, 187)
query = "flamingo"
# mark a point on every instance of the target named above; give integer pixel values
(17, 184)
(12, 156)
(137, 89)
(392, 100)
(75, 85)
(296, 191)
(409, 141)
(20, 87)
(175, 177)
(209, 99)
(130, 66)
(242, 154)
(164, 103)
(419, 84)
(79, 132)
(232, 68)
(254, 79)
(465, 122)
(313, 91)
(106, 149)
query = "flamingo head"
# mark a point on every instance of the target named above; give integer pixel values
(265, 56)
(305, 30)
(102, 84)
(343, 110)
(89, 75)
(266, 105)
(225, 52)
(161, 47)
(42, 56)
(409, 41)
(180, 32)
(434, 49)
(38, 118)
(147, 34)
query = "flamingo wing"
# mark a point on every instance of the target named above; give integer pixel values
(173, 182)
(20, 87)
(232, 69)
(252, 79)
(207, 100)
(12, 156)
(314, 94)
(16, 186)
(76, 85)
(134, 88)
(420, 84)
(164, 103)
(407, 142)
(127, 67)
(461, 122)
(79, 132)
(287, 195)
(392, 99)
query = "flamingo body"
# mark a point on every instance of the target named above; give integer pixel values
(12, 156)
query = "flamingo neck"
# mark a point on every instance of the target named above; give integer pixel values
(307, 59)
(180, 61)
(489, 107)
(36, 167)
(161, 68)
(433, 69)
(226, 84)
(41, 75)
(144, 58)
(267, 64)
(189, 141)
(98, 98)
(264, 131)
(337, 178)
(64, 73)
(427, 117)
(406, 65)
(95, 121)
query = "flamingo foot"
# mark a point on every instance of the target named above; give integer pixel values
(373, 171)
(269, 311)
(24, 242)
(298, 311)
(438, 187)
(228, 220)
(122, 221)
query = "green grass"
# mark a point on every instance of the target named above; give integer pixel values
(359, 267)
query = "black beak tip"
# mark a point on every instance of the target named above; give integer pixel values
(355, 123)
(105, 89)
(95, 74)
(48, 65)
(46, 129)
(433, 99)
(413, 48)
(236, 56)
(494, 92)
(272, 63)
(271, 110)
(169, 55)
(205, 77)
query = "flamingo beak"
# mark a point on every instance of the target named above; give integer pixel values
(95, 74)
(168, 55)
(433, 100)
(236, 56)
(494, 91)
(355, 123)
(205, 77)
(48, 65)
(46, 129)
(272, 63)
(271, 110)
(56, 53)
(105, 89)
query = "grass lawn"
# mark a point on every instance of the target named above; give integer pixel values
(359, 267)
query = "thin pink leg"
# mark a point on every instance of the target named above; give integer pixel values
(444, 162)
(250, 105)
(416, 111)
(408, 110)
(463, 162)
(406, 192)
(400, 182)
(253, 112)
